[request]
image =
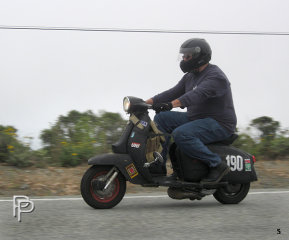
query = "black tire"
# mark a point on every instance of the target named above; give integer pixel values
(232, 194)
(102, 199)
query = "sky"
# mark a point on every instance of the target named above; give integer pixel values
(45, 74)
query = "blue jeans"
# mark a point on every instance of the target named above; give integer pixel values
(191, 136)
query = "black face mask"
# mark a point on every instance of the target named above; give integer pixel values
(193, 64)
(187, 66)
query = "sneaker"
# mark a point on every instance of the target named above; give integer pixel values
(216, 173)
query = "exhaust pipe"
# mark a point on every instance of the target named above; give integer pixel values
(177, 193)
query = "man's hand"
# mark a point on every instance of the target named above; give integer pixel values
(162, 107)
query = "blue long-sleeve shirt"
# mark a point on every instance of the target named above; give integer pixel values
(205, 94)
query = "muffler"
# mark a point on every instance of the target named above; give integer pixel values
(177, 193)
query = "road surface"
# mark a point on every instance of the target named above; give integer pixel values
(264, 214)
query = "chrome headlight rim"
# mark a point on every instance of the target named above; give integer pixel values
(126, 104)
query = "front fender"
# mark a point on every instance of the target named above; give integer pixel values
(123, 162)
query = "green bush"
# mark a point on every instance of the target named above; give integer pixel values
(74, 138)
(280, 147)
(272, 143)
(12, 151)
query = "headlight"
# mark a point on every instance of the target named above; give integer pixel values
(126, 104)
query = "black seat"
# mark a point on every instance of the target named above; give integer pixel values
(228, 140)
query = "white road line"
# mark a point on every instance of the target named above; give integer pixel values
(152, 196)
(130, 197)
(275, 192)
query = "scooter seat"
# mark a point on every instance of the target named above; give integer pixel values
(228, 140)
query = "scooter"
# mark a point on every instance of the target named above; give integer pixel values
(103, 185)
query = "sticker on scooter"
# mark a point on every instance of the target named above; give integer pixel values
(143, 123)
(131, 170)
(236, 163)
(135, 145)
(248, 165)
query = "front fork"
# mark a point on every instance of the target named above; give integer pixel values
(104, 182)
(110, 176)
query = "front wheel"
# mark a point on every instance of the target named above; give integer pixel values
(232, 194)
(97, 198)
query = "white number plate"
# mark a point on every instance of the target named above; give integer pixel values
(236, 163)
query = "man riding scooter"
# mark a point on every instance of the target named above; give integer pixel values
(210, 117)
(201, 153)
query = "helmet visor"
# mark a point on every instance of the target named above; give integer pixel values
(190, 53)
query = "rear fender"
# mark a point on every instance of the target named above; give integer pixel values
(241, 163)
(124, 164)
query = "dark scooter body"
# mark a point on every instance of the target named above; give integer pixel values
(104, 184)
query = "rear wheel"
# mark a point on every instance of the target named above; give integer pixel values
(98, 198)
(232, 194)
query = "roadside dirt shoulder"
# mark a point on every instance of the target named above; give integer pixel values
(65, 181)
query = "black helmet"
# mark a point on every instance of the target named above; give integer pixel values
(200, 51)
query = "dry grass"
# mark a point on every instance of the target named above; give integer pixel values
(65, 181)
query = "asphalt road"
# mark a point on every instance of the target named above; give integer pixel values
(262, 215)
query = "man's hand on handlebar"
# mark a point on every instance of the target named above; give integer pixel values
(162, 107)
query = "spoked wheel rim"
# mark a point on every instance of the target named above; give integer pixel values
(107, 195)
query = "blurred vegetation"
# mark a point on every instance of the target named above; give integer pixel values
(270, 143)
(76, 137)
(14, 152)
